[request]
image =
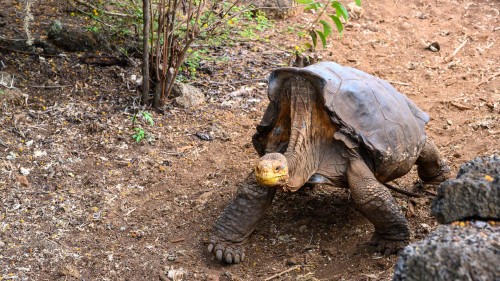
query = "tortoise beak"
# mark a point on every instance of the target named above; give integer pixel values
(272, 170)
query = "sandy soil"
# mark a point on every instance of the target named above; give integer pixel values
(80, 200)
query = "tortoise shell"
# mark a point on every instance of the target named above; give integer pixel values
(369, 112)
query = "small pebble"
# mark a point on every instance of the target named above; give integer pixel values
(434, 47)
(481, 224)
(24, 171)
(204, 136)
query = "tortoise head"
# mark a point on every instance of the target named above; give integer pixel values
(272, 170)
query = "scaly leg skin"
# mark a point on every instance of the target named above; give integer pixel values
(431, 168)
(239, 219)
(375, 202)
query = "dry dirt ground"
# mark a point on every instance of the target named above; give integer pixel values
(80, 200)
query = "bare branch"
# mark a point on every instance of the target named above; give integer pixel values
(103, 11)
(145, 54)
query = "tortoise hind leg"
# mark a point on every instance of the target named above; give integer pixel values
(375, 202)
(431, 168)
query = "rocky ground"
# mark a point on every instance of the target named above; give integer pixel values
(81, 200)
(467, 245)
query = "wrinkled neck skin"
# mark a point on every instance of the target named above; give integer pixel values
(311, 148)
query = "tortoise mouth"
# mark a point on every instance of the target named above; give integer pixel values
(271, 181)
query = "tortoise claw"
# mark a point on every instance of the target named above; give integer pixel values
(387, 246)
(229, 252)
(218, 255)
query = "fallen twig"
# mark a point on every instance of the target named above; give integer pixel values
(103, 11)
(432, 193)
(50, 87)
(488, 79)
(29, 53)
(398, 83)
(447, 59)
(281, 273)
(177, 240)
(3, 144)
(264, 80)
(103, 60)
(460, 106)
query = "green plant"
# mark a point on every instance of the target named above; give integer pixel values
(337, 17)
(121, 20)
(179, 24)
(139, 133)
(248, 33)
(93, 28)
(262, 21)
(193, 60)
(250, 22)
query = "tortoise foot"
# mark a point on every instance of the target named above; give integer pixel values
(225, 250)
(432, 169)
(387, 246)
(442, 174)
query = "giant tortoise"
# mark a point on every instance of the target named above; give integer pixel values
(336, 125)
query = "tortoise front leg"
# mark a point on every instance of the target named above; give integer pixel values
(375, 202)
(431, 168)
(239, 219)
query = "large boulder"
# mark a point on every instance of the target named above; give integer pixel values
(75, 39)
(467, 249)
(475, 193)
(187, 96)
(453, 252)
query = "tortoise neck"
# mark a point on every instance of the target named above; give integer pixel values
(311, 132)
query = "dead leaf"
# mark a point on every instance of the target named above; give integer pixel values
(23, 180)
(69, 270)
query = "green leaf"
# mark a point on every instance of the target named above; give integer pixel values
(310, 4)
(358, 2)
(314, 37)
(338, 23)
(340, 10)
(314, 6)
(327, 28)
(147, 116)
(139, 135)
(322, 37)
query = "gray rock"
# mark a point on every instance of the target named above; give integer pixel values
(187, 96)
(275, 9)
(475, 193)
(74, 39)
(452, 253)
